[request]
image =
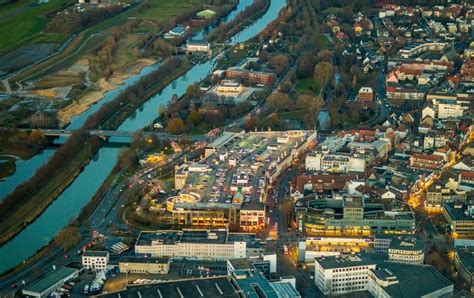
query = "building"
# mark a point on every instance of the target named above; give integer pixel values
(49, 283)
(335, 163)
(464, 264)
(96, 260)
(176, 32)
(256, 77)
(419, 48)
(200, 244)
(338, 275)
(219, 287)
(366, 96)
(197, 46)
(402, 280)
(426, 161)
(253, 264)
(346, 274)
(144, 265)
(252, 283)
(460, 219)
(311, 247)
(407, 250)
(252, 216)
(353, 216)
(229, 86)
(206, 14)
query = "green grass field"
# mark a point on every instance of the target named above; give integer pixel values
(23, 22)
(165, 10)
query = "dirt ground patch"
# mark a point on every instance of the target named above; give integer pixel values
(79, 106)
(59, 80)
(100, 88)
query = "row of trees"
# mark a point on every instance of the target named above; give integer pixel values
(101, 60)
(222, 32)
(134, 95)
(75, 21)
(309, 106)
(61, 157)
(34, 137)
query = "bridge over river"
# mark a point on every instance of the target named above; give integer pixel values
(124, 135)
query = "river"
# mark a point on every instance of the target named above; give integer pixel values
(68, 205)
(25, 169)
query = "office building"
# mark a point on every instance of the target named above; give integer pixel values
(464, 264)
(144, 265)
(346, 274)
(96, 260)
(407, 250)
(200, 244)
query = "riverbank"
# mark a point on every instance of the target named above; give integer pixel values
(19, 216)
(98, 91)
(7, 167)
(106, 159)
(247, 17)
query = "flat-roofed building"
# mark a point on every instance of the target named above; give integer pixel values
(252, 216)
(97, 260)
(346, 274)
(144, 265)
(334, 162)
(229, 86)
(464, 264)
(460, 219)
(257, 77)
(352, 216)
(197, 46)
(338, 275)
(49, 283)
(407, 250)
(217, 244)
(403, 280)
(220, 286)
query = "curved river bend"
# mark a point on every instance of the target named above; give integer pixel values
(68, 205)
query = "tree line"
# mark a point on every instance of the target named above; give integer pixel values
(75, 21)
(221, 33)
(134, 95)
(101, 59)
(62, 156)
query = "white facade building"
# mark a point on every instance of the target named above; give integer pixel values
(449, 110)
(406, 250)
(337, 275)
(193, 244)
(338, 163)
(96, 260)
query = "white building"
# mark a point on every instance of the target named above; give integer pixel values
(337, 275)
(198, 46)
(337, 162)
(96, 260)
(407, 250)
(195, 244)
(346, 274)
(449, 109)
(401, 280)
